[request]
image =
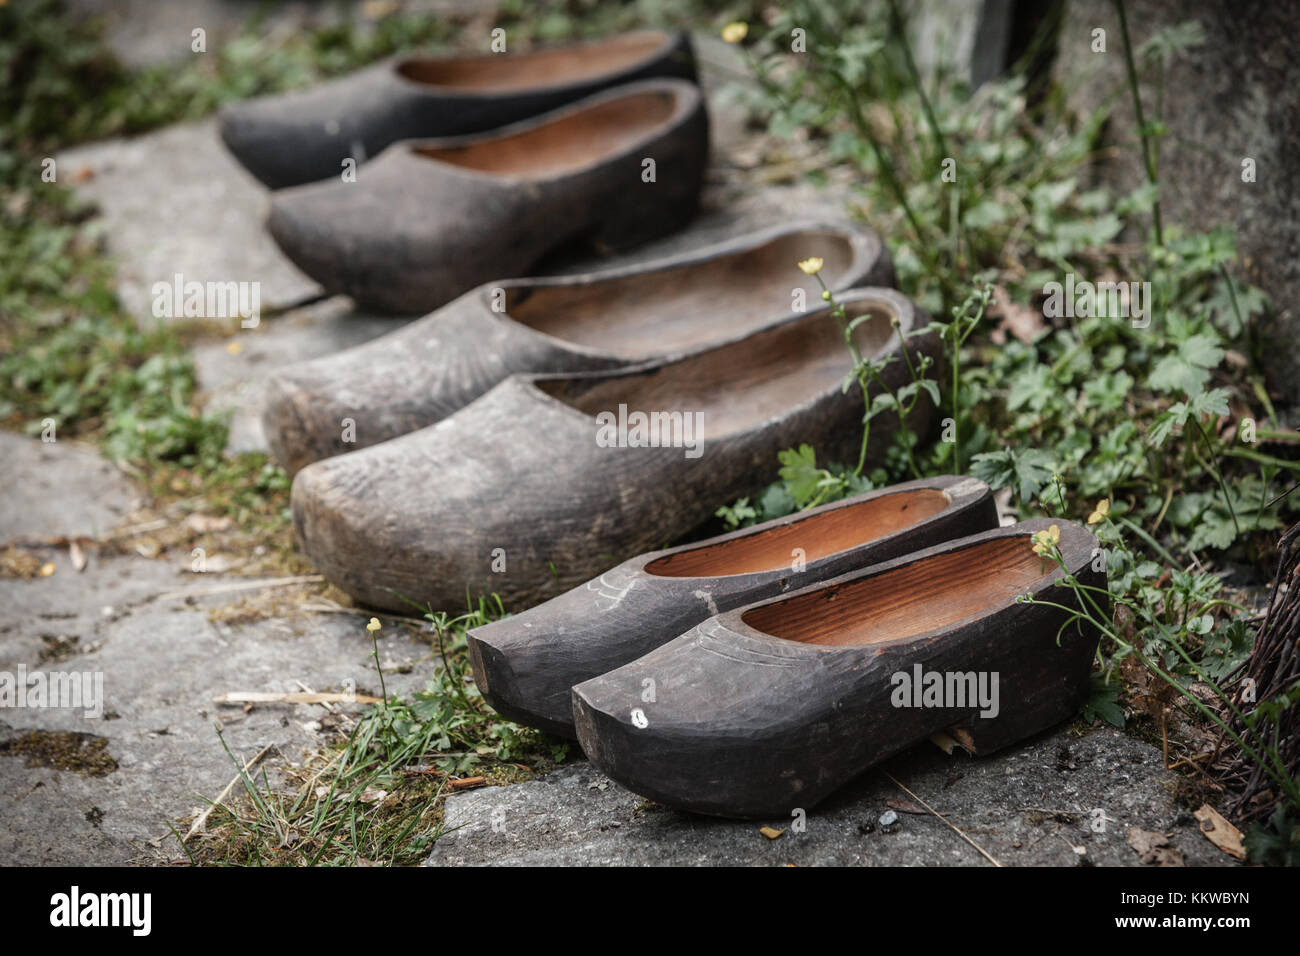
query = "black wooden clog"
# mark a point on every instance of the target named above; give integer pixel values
(526, 665)
(430, 219)
(304, 136)
(546, 481)
(768, 708)
(615, 318)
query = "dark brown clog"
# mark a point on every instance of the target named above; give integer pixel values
(304, 136)
(546, 481)
(526, 665)
(769, 708)
(430, 219)
(434, 366)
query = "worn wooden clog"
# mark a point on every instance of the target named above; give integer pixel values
(526, 665)
(546, 481)
(430, 219)
(428, 369)
(769, 708)
(301, 137)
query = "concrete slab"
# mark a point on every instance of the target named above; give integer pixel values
(1032, 805)
(58, 488)
(161, 662)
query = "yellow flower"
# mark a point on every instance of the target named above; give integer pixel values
(812, 265)
(1099, 513)
(1045, 541)
(735, 32)
(374, 625)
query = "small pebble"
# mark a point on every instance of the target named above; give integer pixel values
(888, 819)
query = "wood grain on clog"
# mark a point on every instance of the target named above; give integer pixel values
(770, 708)
(430, 219)
(304, 136)
(615, 318)
(515, 494)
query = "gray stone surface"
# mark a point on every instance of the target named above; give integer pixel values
(1235, 97)
(58, 488)
(1032, 805)
(173, 202)
(144, 626)
(162, 662)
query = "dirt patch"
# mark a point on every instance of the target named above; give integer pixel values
(63, 750)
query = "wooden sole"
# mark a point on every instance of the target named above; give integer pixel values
(526, 665)
(765, 709)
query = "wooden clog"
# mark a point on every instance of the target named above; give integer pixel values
(430, 219)
(526, 665)
(768, 708)
(436, 365)
(535, 488)
(304, 136)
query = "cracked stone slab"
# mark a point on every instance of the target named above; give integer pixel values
(162, 662)
(1031, 805)
(233, 378)
(58, 488)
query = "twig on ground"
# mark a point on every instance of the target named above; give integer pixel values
(956, 829)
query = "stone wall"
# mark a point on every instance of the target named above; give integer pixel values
(1236, 97)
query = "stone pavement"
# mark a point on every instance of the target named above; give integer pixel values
(1039, 804)
(143, 625)
(173, 201)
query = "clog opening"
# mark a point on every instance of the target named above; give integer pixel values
(807, 540)
(738, 386)
(657, 313)
(515, 71)
(926, 595)
(575, 141)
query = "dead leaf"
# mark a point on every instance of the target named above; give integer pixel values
(1023, 321)
(1154, 847)
(772, 833)
(943, 741)
(373, 795)
(204, 524)
(467, 783)
(907, 806)
(1220, 832)
(77, 555)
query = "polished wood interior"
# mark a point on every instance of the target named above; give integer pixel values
(746, 383)
(926, 595)
(817, 536)
(503, 72)
(654, 313)
(574, 141)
